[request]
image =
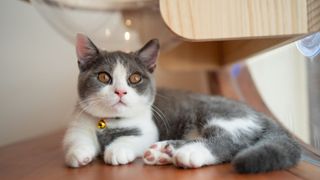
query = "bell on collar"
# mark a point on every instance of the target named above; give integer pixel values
(101, 124)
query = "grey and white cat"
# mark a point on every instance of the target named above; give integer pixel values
(164, 127)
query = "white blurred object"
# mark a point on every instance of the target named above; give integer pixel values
(310, 45)
(111, 24)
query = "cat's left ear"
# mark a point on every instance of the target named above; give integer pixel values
(87, 52)
(149, 53)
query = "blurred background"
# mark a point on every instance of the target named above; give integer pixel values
(38, 73)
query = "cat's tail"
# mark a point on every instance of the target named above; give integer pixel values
(272, 152)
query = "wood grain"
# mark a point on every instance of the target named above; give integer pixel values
(313, 8)
(42, 158)
(236, 19)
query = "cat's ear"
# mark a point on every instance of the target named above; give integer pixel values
(87, 52)
(148, 54)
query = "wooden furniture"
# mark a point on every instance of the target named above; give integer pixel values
(42, 159)
(234, 19)
(234, 29)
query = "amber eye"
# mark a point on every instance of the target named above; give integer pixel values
(104, 77)
(135, 78)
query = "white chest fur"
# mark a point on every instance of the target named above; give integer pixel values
(143, 122)
(81, 143)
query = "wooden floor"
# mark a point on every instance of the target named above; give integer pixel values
(42, 158)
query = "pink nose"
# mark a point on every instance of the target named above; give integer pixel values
(120, 92)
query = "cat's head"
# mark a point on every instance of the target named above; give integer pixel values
(115, 84)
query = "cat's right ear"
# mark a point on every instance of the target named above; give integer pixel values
(149, 53)
(87, 52)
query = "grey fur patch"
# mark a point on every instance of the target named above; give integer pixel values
(182, 112)
(268, 148)
(221, 144)
(275, 150)
(106, 136)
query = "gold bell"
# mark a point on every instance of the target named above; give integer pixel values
(101, 124)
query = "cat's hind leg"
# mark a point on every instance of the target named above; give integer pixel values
(216, 143)
(159, 153)
(181, 153)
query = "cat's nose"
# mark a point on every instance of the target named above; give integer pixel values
(120, 92)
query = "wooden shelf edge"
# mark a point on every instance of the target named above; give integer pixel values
(198, 21)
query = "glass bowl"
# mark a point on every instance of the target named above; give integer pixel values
(111, 24)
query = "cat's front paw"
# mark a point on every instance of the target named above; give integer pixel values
(118, 156)
(76, 157)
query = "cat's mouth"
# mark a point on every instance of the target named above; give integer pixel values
(119, 103)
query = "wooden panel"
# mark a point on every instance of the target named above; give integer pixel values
(209, 56)
(192, 56)
(234, 19)
(183, 80)
(240, 49)
(313, 7)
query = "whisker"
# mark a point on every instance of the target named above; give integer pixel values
(91, 99)
(87, 106)
(84, 109)
(162, 96)
(161, 116)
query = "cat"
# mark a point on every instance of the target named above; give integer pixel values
(185, 129)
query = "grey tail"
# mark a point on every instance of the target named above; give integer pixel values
(273, 152)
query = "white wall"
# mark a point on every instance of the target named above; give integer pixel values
(38, 73)
(281, 78)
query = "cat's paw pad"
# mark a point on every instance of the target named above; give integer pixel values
(192, 156)
(159, 153)
(79, 157)
(118, 156)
